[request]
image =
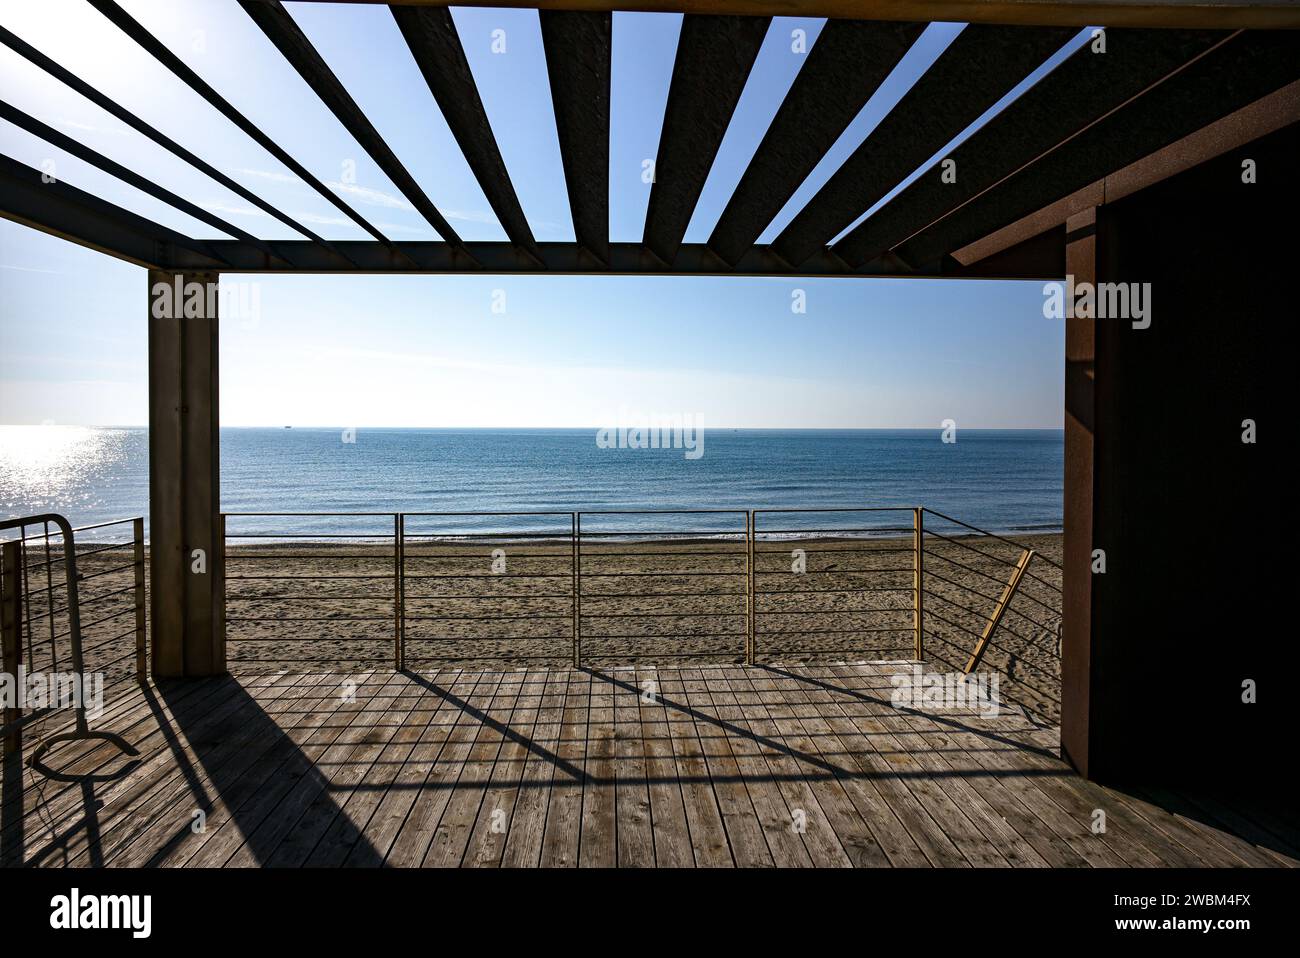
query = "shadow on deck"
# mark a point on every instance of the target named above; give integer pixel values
(709, 766)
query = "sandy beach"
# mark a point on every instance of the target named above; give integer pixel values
(642, 603)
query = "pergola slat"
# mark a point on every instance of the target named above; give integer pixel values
(64, 142)
(578, 57)
(1095, 113)
(431, 35)
(128, 25)
(556, 258)
(977, 69)
(846, 65)
(74, 82)
(1203, 14)
(68, 212)
(294, 46)
(1082, 88)
(1231, 75)
(714, 59)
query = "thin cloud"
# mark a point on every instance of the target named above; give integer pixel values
(320, 220)
(400, 228)
(470, 216)
(216, 206)
(63, 360)
(372, 197)
(31, 269)
(269, 175)
(89, 127)
(369, 197)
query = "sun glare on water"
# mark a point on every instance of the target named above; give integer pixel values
(45, 465)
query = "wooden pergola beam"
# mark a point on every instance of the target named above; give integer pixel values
(283, 31)
(164, 55)
(432, 39)
(821, 103)
(1201, 14)
(579, 63)
(714, 58)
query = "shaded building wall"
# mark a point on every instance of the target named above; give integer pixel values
(1197, 593)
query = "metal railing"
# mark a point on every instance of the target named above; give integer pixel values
(829, 575)
(423, 588)
(86, 619)
(990, 602)
(282, 578)
(661, 584)
(417, 589)
(487, 593)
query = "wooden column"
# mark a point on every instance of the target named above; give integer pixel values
(1080, 452)
(186, 569)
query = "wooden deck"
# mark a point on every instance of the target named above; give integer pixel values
(723, 766)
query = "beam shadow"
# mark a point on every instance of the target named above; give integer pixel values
(938, 719)
(1257, 819)
(505, 730)
(830, 770)
(228, 781)
(11, 802)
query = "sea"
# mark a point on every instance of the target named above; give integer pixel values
(1006, 481)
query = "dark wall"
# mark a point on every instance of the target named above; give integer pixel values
(1198, 530)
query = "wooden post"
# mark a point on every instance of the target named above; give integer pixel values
(184, 477)
(141, 651)
(918, 580)
(11, 634)
(219, 597)
(999, 610)
(751, 638)
(399, 591)
(575, 540)
(1081, 447)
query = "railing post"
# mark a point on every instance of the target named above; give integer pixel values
(219, 592)
(918, 580)
(751, 633)
(575, 540)
(399, 591)
(141, 651)
(11, 634)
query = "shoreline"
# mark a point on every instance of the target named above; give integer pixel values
(333, 539)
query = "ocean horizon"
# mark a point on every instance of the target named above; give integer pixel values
(1002, 480)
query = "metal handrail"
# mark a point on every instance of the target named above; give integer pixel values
(587, 545)
(81, 729)
(973, 595)
(991, 535)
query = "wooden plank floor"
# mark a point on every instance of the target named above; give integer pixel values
(711, 766)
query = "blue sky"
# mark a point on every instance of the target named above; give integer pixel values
(566, 351)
